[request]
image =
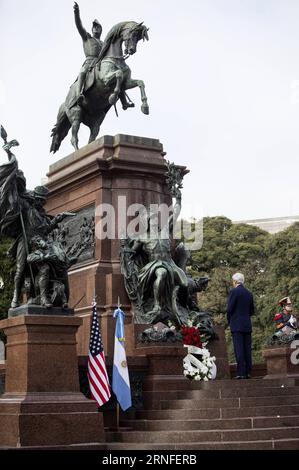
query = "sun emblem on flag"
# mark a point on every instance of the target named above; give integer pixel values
(123, 363)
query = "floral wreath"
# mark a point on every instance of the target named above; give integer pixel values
(198, 364)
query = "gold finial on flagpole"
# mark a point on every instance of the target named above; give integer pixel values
(118, 302)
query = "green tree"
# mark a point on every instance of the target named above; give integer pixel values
(282, 273)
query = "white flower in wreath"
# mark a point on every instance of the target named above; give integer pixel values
(204, 369)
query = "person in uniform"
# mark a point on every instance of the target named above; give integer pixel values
(285, 320)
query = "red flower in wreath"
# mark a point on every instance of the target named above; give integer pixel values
(191, 336)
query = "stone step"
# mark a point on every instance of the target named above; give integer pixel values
(200, 403)
(257, 411)
(155, 396)
(263, 383)
(202, 413)
(177, 395)
(216, 413)
(279, 444)
(210, 424)
(286, 444)
(243, 392)
(187, 424)
(180, 383)
(229, 402)
(189, 437)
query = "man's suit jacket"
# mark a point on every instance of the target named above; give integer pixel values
(240, 307)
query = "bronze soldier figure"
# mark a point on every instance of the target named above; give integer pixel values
(51, 262)
(22, 216)
(35, 221)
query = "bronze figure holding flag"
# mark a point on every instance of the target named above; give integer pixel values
(23, 218)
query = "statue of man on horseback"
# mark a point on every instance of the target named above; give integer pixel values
(103, 80)
(92, 46)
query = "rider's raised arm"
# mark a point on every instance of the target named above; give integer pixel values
(83, 33)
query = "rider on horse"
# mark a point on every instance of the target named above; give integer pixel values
(103, 81)
(92, 46)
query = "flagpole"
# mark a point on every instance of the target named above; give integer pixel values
(117, 406)
(120, 374)
(97, 373)
(117, 416)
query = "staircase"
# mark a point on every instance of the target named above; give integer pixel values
(221, 414)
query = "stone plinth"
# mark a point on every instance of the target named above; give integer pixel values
(218, 348)
(166, 358)
(129, 167)
(2, 376)
(32, 309)
(42, 404)
(279, 362)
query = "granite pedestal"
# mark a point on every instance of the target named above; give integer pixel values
(42, 405)
(282, 361)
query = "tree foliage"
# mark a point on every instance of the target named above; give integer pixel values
(282, 276)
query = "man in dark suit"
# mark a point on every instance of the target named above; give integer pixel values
(240, 307)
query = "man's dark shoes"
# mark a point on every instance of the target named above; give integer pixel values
(238, 377)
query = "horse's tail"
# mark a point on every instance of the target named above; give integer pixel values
(60, 129)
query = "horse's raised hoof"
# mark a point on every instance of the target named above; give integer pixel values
(113, 98)
(128, 105)
(145, 109)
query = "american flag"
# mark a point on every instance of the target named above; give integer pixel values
(97, 373)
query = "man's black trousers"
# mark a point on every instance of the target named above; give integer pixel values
(242, 348)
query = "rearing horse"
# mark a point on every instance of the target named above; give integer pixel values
(105, 84)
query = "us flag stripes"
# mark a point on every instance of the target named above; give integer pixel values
(97, 372)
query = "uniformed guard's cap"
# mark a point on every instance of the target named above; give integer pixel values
(284, 301)
(41, 192)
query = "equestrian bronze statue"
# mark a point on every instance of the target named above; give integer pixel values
(103, 84)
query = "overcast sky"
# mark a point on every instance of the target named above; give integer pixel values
(222, 79)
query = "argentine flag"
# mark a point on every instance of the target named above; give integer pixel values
(120, 377)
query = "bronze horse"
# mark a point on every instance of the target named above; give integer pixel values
(105, 84)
